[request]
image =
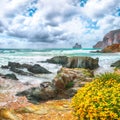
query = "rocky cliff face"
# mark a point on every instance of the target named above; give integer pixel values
(113, 37)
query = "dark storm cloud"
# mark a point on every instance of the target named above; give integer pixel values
(17, 33)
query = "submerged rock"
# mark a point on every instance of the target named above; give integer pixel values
(37, 69)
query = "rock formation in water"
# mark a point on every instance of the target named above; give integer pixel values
(116, 64)
(77, 46)
(75, 62)
(113, 37)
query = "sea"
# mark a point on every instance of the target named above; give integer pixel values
(36, 56)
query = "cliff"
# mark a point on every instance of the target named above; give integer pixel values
(113, 37)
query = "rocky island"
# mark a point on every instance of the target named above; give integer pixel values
(77, 46)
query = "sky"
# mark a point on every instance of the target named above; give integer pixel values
(56, 23)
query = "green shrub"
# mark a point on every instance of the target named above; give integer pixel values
(98, 100)
(69, 85)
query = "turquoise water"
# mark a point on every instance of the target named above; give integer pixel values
(33, 56)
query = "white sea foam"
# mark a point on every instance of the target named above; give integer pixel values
(36, 56)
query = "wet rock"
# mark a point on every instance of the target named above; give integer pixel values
(116, 64)
(26, 65)
(82, 62)
(58, 60)
(14, 64)
(21, 72)
(11, 76)
(5, 67)
(37, 69)
(46, 91)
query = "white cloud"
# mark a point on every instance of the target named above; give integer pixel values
(60, 22)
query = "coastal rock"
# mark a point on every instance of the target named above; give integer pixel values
(71, 78)
(112, 48)
(75, 62)
(37, 69)
(58, 60)
(18, 65)
(14, 64)
(21, 72)
(10, 76)
(17, 68)
(46, 91)
(116, 64)
(113, 37)
(77, 46)
(5, 66)
(64, 85)
(82, 62)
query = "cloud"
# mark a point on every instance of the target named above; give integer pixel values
(63, 22)
(96, 9)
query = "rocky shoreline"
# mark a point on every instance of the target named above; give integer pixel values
(14, 95)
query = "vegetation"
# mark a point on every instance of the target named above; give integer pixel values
(99, 100)
(69, 85)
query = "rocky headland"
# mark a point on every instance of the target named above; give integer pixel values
(113, 37)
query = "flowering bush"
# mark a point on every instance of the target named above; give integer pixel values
(99, 100)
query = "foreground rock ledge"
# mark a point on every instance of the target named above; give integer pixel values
(19, 108)
(64, 85)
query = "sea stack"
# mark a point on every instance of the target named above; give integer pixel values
(113, 37)
(77, 46)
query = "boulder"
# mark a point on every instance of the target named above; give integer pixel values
(75, 62)
(46, 91)
(68, 78)
(11, 76)
(82, 62)
(14, 64)
(113, 37)
(116, 64)
(62, 60)
(37, 69)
